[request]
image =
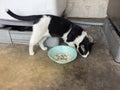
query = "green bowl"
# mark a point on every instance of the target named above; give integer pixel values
(62, 54)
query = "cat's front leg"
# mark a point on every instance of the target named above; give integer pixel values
(71, 44)
(43, 47)
(33, 42)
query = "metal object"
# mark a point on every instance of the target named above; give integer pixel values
(114, 14)
(5, 36)
(113, 40)
(112, 28)
(88, 23)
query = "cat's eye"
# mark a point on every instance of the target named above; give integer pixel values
(82, 48)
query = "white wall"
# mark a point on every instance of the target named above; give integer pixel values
(31, 7)
(87, 8)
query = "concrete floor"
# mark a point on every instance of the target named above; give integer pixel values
(19, 71)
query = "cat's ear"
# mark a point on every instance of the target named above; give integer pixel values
(91, 43)
(90, 38)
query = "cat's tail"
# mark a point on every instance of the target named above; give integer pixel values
(24, 18)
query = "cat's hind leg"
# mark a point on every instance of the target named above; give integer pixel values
(40, 30)
(33, 42)
(41, 43)
(31, 52)
(37, 35)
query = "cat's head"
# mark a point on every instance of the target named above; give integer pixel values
(84, 48)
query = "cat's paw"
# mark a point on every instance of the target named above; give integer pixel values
(31, 53)
(44, 48)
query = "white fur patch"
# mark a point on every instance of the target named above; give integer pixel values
(65, 35)
(65, 38)
(40, 32)
(85, 56)
(40, 29)
(80, 38)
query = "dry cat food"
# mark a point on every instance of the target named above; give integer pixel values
(62, 56)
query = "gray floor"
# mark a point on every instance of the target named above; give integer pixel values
(19, 71)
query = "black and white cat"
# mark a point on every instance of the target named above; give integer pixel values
(49, 25)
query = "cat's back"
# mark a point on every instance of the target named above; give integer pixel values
(59, 25)
(60, 20)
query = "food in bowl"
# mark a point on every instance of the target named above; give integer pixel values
(60, 56)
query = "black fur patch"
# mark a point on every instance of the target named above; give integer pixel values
(58, 26)
(24, 18)
(74, 33)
